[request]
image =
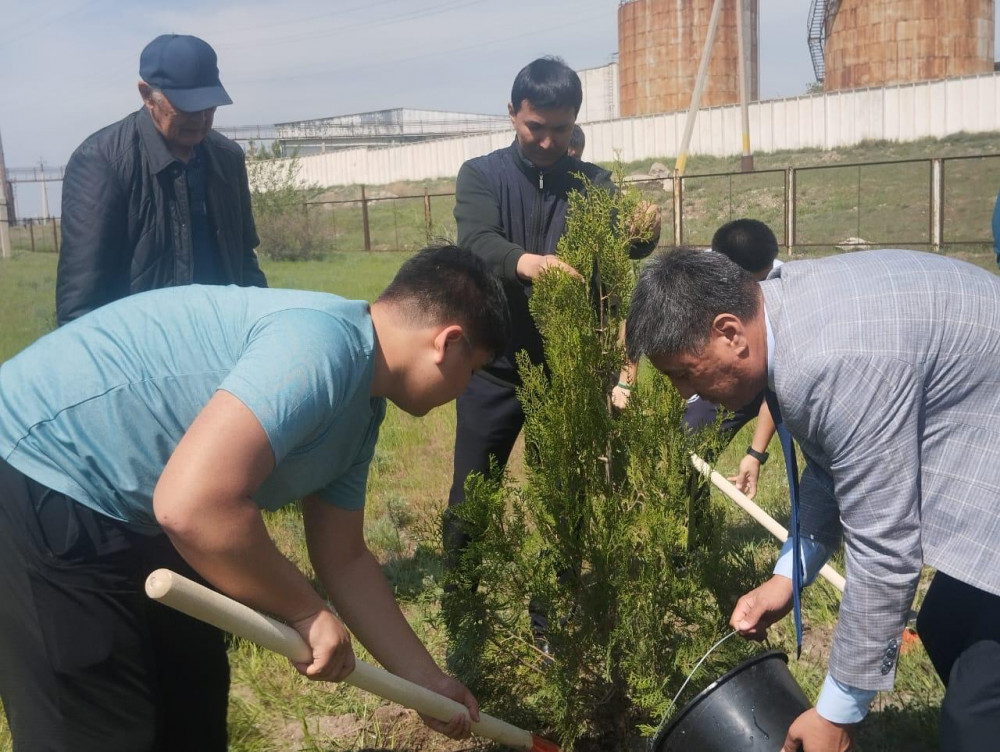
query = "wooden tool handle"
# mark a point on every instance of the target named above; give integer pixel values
(198, 601)
(828, 573)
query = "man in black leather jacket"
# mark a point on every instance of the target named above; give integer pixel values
(158, 199)
(510, 210)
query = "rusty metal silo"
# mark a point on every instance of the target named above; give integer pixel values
(659, 47)
(879, 42)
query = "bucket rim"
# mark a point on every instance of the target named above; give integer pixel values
(703, 695)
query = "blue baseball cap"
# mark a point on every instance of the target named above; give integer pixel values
(186, 70)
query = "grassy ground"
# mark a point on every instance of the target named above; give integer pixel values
(273, 709)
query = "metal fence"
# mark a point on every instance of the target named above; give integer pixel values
(937, 204)
(36, 235)
(403, 223)
(934, 204)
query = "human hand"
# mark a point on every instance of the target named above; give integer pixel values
(460, 725)
(619, 397)
(326, 635)
(762, 607)
(530, 265)
(811, 732)
(745, 479)
(645, 221)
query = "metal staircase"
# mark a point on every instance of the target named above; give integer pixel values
(816, 26)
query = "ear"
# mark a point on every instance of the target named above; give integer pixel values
(446, 339)
(146, 92)
(730, 328)
(510, 111)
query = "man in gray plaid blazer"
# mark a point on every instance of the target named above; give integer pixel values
(886, 368)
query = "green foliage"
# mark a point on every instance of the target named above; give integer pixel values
(600, 536)
(279, 206)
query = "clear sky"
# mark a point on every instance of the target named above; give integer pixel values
(69, 67)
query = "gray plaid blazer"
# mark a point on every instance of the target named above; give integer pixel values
(887, 373)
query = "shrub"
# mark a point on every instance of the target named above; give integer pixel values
(279, 206)
(599, 536)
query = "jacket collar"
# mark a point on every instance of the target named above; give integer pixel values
(159, 155)
(563, 165)
(153, 144)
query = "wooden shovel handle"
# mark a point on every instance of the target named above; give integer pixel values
(198, 601)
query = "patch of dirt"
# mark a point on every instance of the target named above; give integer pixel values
(395, 727)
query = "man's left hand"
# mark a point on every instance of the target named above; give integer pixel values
(811, 732)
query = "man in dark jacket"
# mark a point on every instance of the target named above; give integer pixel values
(158, 199)
(510, 208)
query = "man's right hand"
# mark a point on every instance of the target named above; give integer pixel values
(326, 635)
(530, 265)
(762, 607)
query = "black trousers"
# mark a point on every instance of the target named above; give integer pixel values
(488, 420)
(87, 662)
(959, 626)
(700, 413)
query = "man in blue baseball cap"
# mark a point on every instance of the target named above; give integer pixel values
(158, 199)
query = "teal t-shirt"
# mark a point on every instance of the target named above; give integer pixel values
(94, 409)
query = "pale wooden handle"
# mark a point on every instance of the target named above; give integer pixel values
(205, 604)
(828, 573)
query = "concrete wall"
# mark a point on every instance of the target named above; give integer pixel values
(600, 93)
(824, 121)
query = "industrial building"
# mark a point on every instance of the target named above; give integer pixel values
(659, 47)
(367, 129)
(882, 42)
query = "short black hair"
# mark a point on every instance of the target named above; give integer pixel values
(448, 284)
(748, 242)
(577, 139)
(678, 295)
(548, 84)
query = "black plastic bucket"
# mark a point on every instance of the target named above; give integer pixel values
(749, 709)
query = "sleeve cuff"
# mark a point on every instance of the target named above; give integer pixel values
(814, 556)
(510, 264)
(841, 703)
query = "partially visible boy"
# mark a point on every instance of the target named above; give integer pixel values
(577, 141)
(153, 432)
(752, 245)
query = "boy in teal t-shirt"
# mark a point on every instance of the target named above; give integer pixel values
(152, 432)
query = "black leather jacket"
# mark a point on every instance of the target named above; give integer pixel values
(505, 207)
(126, 224)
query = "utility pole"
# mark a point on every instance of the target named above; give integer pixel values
(746, 159)
(45, 193)
(4, 213)
(699, 85)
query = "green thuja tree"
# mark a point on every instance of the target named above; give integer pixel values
(599, 536)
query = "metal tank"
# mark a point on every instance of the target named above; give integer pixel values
(879, 42)
(659, 48)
